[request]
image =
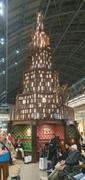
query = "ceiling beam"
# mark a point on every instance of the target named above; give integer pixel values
(73, 18)
(72, 53)
(48, 4)
(79, 59)
(62, 14)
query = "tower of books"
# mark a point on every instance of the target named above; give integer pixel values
(39, 97)
(40, 110)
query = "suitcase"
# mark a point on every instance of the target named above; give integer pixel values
(43, 163)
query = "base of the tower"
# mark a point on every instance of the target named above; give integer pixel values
(34, 135)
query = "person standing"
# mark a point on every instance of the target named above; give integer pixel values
(54, 150)
(19, 147)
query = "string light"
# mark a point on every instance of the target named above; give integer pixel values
(38, 99)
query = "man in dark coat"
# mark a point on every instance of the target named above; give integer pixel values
(53, 149)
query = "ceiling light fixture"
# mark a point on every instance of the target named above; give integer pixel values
(17, 51)
(2, 41)
(1, 9)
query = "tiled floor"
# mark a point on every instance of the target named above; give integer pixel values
(30, 171)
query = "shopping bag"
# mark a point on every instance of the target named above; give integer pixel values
(4, 157)
(27, 159)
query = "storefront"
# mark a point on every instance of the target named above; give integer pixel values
(78, 104)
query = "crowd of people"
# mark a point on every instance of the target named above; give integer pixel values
(67, 165)
(11, 146)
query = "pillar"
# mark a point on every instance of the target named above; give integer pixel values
(34, 141)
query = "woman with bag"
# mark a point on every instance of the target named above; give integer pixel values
(4, 157)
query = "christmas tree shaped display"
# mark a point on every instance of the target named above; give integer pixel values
(39, 98)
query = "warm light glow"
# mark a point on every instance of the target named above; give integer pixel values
(40, 39)
(44, 100)
(38, 100)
